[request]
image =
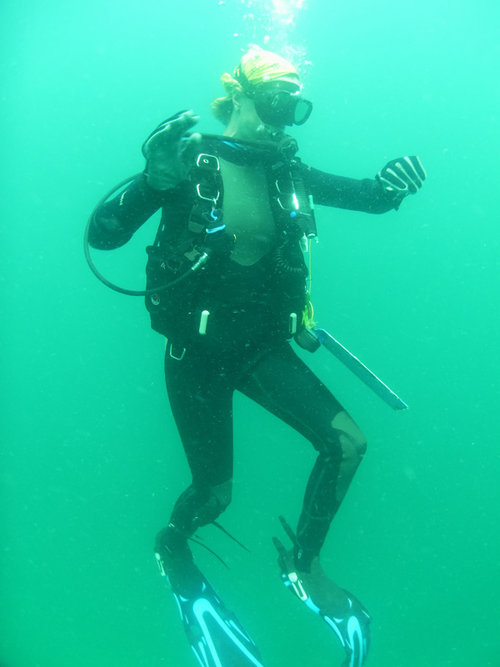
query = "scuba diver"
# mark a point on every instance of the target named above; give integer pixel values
(227, 287)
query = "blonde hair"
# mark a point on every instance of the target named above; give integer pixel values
(222, 107)
(256, 66)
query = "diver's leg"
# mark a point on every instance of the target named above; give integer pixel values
(283, 384)
(201, 400)
(339, 455)
(200, 393)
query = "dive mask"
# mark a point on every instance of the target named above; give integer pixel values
(280, 103)
(277, 102)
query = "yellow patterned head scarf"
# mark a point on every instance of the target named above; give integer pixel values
(257, 66)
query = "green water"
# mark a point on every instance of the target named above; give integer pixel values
(91, 461)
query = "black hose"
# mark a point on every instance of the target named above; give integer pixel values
(98, 274)
(270, 146)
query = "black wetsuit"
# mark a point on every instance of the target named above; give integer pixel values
(245, 349)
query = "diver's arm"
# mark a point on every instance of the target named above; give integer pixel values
(115, 221)
(398, 179)
(169, 155)
(366, 195)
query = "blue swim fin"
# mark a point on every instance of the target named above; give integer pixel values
(340, 610)
(214, 633)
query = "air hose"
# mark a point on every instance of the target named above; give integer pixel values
(86, 249)
(286, 146)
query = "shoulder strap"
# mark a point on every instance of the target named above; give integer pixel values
(206, 182)
(293, 204)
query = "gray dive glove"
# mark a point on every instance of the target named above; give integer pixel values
(405, 175)
(169, 153)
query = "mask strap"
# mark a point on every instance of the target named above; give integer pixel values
(241, 78)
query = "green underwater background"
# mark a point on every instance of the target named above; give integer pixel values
(90, 459)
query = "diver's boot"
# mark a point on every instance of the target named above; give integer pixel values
(340, 610)
(214, 633)
(176, 563)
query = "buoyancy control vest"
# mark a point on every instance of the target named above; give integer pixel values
(183, 258)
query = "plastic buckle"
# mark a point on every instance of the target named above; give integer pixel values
(159, 562)
(207, 161)
(207, 188)
(290, 195)
(177, 357)
(297, 586)
(212, 198)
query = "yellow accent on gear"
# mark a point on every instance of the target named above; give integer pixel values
(308, 312)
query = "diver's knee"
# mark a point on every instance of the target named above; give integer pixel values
(351, 438)
(353, 449)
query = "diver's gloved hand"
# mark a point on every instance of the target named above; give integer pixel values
(405, 175)
(169, 153)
